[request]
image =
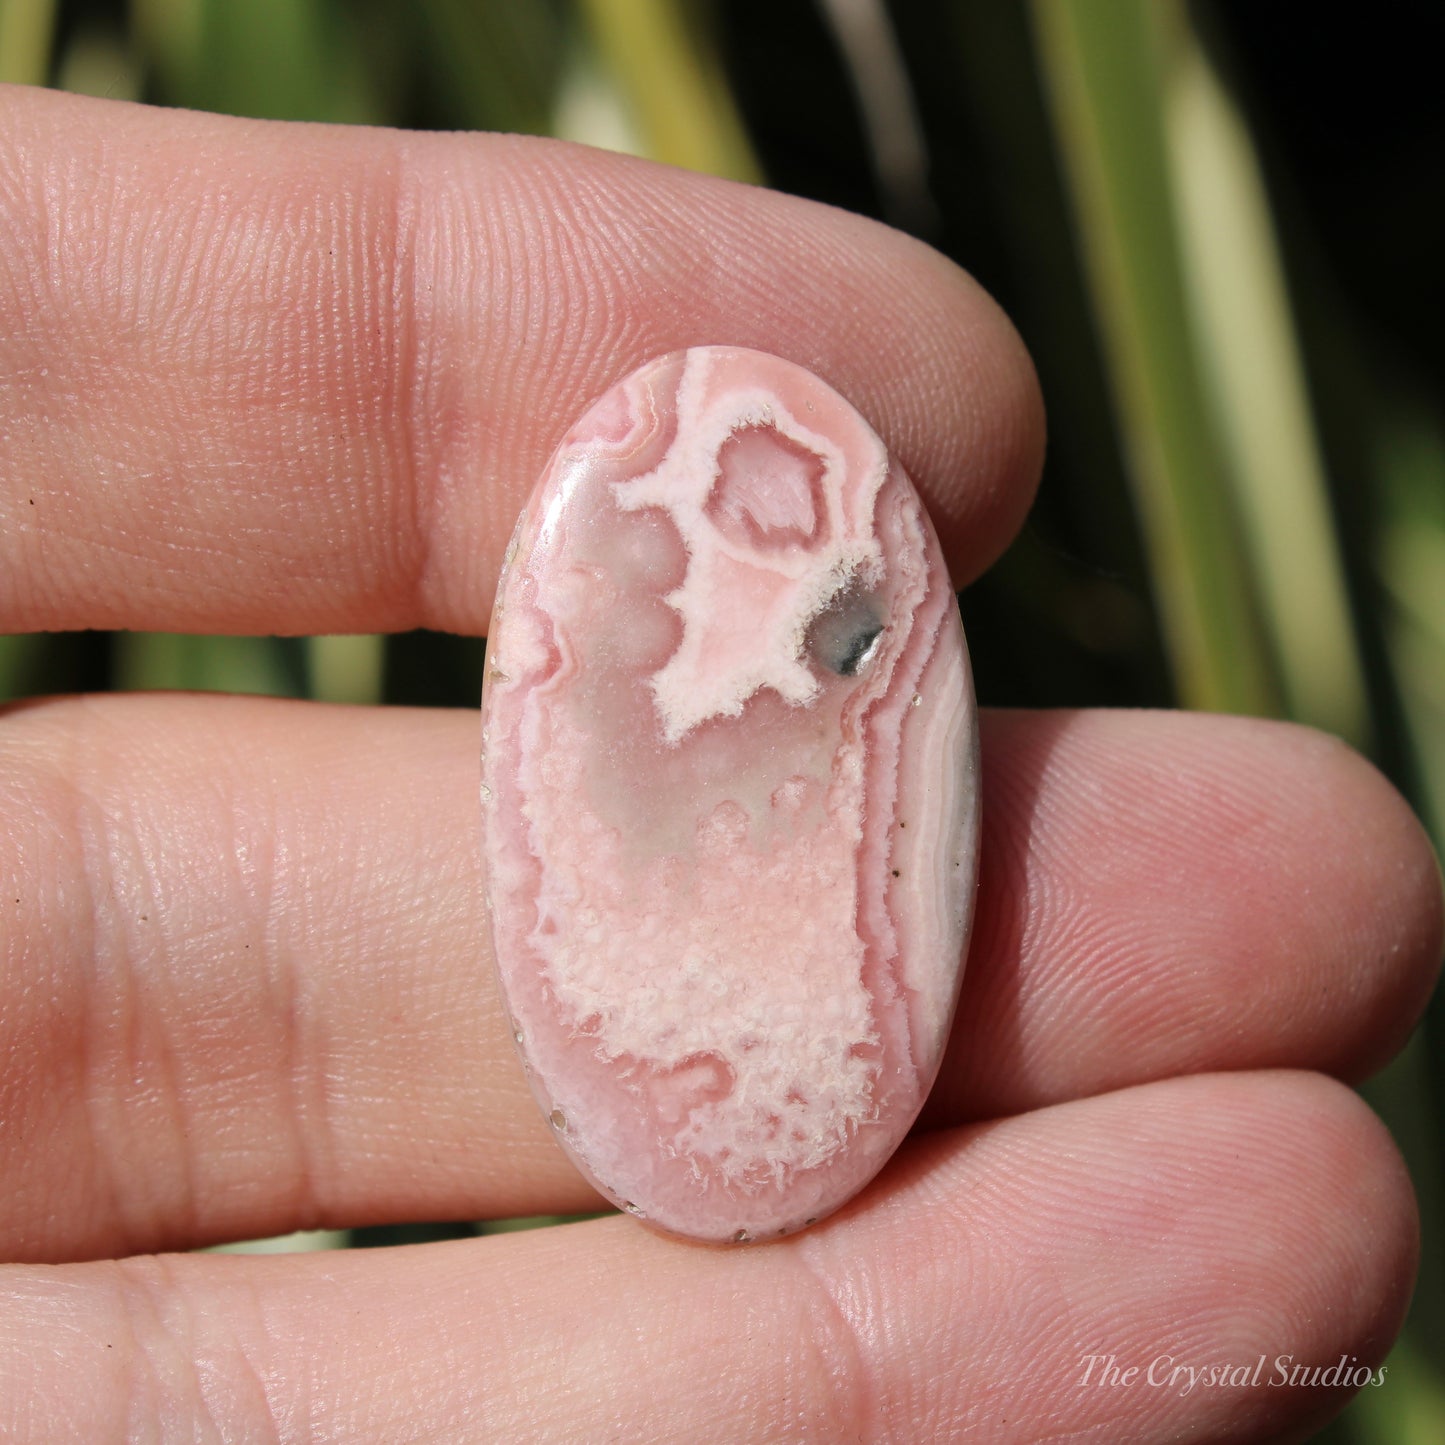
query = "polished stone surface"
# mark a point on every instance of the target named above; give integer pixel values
(729, 796)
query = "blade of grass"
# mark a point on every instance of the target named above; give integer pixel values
(18, 658)
(345, 669)
(1406, 1408)
(305, 1241)
(98, 61)
(867, 41)
(674, 88)
(1251, 362)
(499, 62)
(536, 1221)
(588, 107)
(1100, 62)
(27, 32)
(278, 59)
(148, 661)
(1410, 561)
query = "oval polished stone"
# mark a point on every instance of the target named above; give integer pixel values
(729, 796)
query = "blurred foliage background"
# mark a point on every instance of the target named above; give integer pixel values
(1218, 226)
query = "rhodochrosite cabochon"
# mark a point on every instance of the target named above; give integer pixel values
(729, 796)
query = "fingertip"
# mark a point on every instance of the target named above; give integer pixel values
(1172, 892)
(1245, 1229)
(1378, 880)
(1340, 1172)
(951, 389)
(987, 482)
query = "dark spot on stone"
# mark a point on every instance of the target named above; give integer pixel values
(844, 635)
(858, 649)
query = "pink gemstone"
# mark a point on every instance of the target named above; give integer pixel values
(729, 796)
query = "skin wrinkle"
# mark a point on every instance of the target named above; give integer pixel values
(128, 905)
(261, 872)
(840, 1341)
(166, 1326)
(169, 1086)
(447, 436)
(243, 1323)
(316, 1137)
(133, 1291)
(103, 1177)
(382, 309)
(297, 266)
(125, 1053)
(29, 1095)
(287, 901)
(400, 287)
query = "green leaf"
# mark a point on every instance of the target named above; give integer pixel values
(27, 32)
(1102, 63)
(673, 85)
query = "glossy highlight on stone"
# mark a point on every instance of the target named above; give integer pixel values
(729, 796)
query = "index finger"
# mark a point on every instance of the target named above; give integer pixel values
(280, 378)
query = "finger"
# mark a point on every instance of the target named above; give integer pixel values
(245, 986)
(1163, 893)
(982, 1291)
(266, 377)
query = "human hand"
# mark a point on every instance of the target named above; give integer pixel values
(282, 379)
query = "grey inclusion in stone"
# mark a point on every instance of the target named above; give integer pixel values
(844, 635)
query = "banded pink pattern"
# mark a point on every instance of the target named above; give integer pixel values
(729, 796)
